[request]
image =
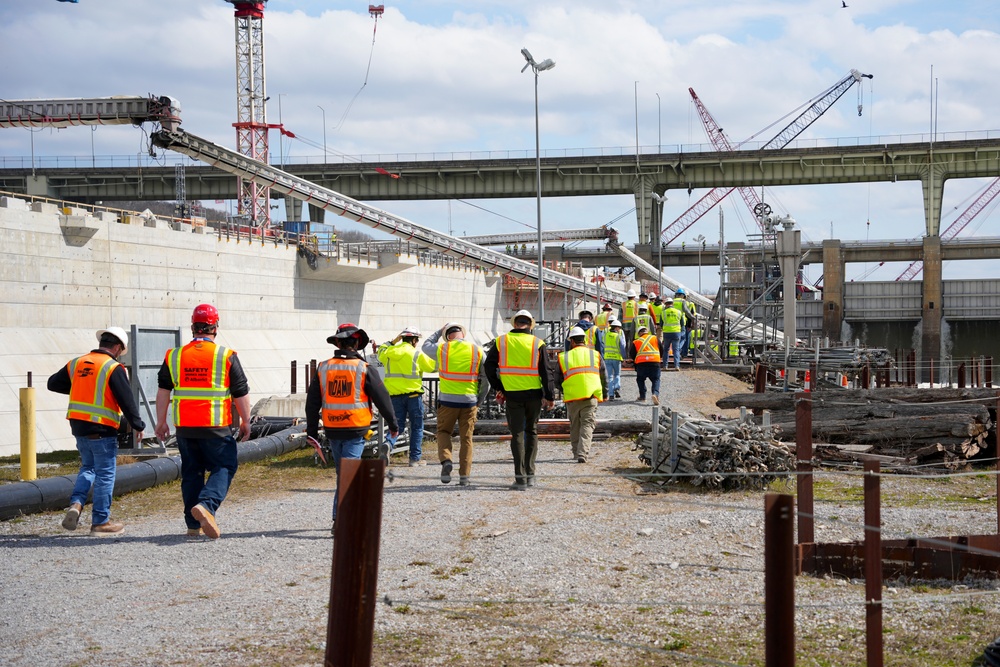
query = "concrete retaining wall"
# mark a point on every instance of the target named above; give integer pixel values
(64, 275)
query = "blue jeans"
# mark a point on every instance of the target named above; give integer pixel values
(649, 370)
(215, 456)
(350, 448)
(673, 339)
(614, 367)
(685, 342)
(410, 408)
(97, 470)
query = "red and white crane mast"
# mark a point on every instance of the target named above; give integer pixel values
(251, 115)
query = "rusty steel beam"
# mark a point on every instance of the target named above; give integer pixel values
(779, 580)
(873, 565)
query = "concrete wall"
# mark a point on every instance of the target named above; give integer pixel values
(64, 276)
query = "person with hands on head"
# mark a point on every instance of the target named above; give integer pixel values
(203, 382)
(518, 369)
(462, 388)
(340, 397)
(99, 393)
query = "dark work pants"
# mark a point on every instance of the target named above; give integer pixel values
(522, 419)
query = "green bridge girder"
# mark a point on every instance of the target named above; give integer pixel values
(931, 164)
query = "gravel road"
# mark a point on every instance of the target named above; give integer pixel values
(584, 569)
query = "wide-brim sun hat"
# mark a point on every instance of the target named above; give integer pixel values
(522, 313)
(349, 330)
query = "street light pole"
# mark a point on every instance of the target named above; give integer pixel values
(537, 67)
(324, 131)
(659, 239)
(700, 239)
(659, 128)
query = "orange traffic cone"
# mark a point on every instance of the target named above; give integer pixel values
(843, 380)
(806, 384)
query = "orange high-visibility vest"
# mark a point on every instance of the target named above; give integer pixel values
(90, 397)
(200, 373)
(647, 349)
(345, 401)
(518, 367)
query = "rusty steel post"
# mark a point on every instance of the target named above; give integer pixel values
(866, 376)
(989, 372)
(351, 623)
(308, 377)
(873, 566)
(759, 384)
(803, 465)
(932, 372)
(961, 375)
(295, 378)
(779, 581)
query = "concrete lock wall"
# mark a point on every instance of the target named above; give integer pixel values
(64, 275)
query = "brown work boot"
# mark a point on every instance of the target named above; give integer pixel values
(194, 532)
(107, 529)
(207, 521)
(72, 518)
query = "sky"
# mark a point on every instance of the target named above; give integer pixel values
(440, 77)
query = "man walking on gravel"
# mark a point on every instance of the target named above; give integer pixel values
(518, 370)
(405, 366)
(645, 353)
(463, 386)
(581, 374)
(340, 397)
(99, 392)
(614, 354)
(206, 381)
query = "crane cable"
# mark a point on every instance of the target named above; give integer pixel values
(371, 53)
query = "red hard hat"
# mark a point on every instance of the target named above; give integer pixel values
(205, 314)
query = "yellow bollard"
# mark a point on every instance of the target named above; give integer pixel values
(28, 458)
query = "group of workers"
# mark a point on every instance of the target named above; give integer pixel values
(204, 382)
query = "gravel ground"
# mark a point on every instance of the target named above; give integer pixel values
(587, 568)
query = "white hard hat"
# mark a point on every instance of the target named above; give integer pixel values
(641, 329)
(448, 328)
(577, 332)
(117, 332)
(630, 294)
(615, 323)
(409, 331)
(523, 313)
(643, 306)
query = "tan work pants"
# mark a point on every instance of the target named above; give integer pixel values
(466, 418)
(582, 420)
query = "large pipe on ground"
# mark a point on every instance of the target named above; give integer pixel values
(53, 493)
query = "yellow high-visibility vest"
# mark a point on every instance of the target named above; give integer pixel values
(519, 359)
(581, 368)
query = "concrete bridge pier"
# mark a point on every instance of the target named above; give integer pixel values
(316, 213)
(642, 186)
(293, 209)
(833, 288)
(930, 336)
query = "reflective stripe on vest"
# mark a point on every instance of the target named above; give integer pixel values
(648, 349)
(200, 373)
(671, 320)
(734, 348)
(402, 375)
(345, 402)
(590, 340)
(90, 397)
(611, 349)
(643, 321)
(628, 311)
(518, 368)
(458, 367)
(581, 368)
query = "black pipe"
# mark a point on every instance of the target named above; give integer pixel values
(53, 493)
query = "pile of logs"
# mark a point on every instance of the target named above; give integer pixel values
(916, 426)
(829, 358)
(718, 454)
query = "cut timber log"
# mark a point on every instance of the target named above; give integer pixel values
(897, 430)
(786, 400)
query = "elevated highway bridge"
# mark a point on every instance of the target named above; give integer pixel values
(931, 163)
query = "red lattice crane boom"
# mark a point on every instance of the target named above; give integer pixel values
(815, 108)
(960, 223)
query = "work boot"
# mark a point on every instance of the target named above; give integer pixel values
(463, 480)
(107, 529)
(194, 532)
(207, 521)
(656, 399)
(618, 393)
(446, 467)
(417, 462)
(72, 518)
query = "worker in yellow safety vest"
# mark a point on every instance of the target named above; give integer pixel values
(518, 371)
(645, 353)
(629, 311)
(604, 317)
(655, 309)
(405, 366)
(206, 380)
(614, 353)
(581, 374)
(673, 331)
(644, 319)
(690, 313)
(99, 393)
(462, 388)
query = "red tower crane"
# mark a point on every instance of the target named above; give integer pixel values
(815, 108)
(251, 115)
(960, 223)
